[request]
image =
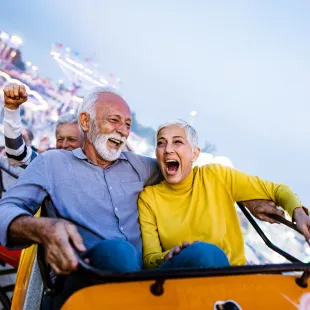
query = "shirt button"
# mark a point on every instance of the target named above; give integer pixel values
(110, 187)
(122, 228)
(116, 209)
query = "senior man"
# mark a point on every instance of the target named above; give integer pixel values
(96, 188)
(68, 134)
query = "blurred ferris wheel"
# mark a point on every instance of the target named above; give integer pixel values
(81, 73)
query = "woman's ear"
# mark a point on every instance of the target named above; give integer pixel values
(84, 120)
(196, 153)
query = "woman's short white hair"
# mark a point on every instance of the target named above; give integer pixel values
(191, 133)
(88, 104)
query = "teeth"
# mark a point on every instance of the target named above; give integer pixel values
(116, 141)
(171, 161)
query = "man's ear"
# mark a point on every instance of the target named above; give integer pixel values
(196, 153)
(84, 120)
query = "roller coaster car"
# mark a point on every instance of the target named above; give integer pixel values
(277, 286)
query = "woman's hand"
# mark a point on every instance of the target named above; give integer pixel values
(302, 222)
(177, 249)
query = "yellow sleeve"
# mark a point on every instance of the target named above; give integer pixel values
(245, 187)
(152, 251)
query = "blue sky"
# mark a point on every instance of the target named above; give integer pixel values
(244, 66)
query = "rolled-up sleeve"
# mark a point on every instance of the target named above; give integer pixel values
(25, 197)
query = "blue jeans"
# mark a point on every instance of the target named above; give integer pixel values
(198, 255)
(114, 255)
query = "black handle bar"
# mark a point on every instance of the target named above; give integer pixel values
(284, 221)
(264, 237)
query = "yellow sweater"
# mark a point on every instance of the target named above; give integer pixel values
(202, 208)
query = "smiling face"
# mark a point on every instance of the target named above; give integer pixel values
(68, 136)
(110, 129)
(175, 154)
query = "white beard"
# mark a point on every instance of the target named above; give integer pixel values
(101, 146)
(100, 143)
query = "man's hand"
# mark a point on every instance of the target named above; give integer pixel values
(302, 222)
(58, 236)
(14, 96)
(262, 208)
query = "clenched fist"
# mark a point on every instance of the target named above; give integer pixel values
(14, 96)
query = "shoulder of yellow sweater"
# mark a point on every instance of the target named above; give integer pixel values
(148, 191)
(218, 171)
(155, 187)
(213, 168)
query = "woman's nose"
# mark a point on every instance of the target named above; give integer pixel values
(169, 148)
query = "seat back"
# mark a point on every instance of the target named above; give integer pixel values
(29, 286)
(28, 290)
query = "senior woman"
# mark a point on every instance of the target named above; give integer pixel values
(190, 219)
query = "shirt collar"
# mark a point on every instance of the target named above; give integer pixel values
(80, 154)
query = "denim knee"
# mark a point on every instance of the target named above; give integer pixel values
(206, 255)
(114, 255)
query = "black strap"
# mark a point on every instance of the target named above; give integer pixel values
(9, 172)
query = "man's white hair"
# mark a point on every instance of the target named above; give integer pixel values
(190, 131)
(88, 104)
(67, 119)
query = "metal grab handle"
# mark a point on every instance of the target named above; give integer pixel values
(264, 237)
(303, 280)
(284, 221)
(83, 266)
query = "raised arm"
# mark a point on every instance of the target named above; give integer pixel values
(15, 147)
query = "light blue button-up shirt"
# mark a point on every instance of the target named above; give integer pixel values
(103, 201)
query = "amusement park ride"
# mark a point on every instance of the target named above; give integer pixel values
(81, 73)
(269, 281)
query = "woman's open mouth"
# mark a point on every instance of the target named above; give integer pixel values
(172, 166)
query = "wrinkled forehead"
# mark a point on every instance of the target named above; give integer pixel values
(171, 131)
(68, 130)
(109, 103)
